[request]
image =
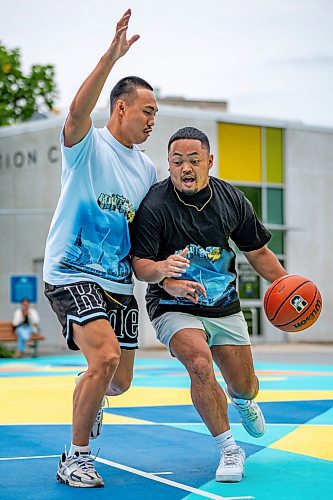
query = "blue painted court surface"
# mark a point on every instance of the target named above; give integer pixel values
(153, 444)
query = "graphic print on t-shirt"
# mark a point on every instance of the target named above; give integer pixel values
(117, 202)
(210, 267)
(93, 250)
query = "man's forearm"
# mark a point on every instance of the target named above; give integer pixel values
(266, 264)
(147, 270)
(153, 271)
(87, 96)
(78, 121)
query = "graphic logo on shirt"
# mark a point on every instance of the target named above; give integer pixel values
(211, 268)
(99, 244)
(117, 202)
(82, 256)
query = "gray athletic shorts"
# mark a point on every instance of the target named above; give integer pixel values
(227, 330)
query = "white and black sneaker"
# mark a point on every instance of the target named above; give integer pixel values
(97, 425)
(231, 466)
(251, 416)
(78, 470)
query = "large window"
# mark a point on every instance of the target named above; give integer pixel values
(274, 205)
(254, 195)
(248, 281)
(251, 158)
(276, 244)
(252, 318)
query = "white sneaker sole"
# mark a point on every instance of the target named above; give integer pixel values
(253, 434)
(229, 478)
(75, 484)
(248, 429)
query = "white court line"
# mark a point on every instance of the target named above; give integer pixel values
(180, 486)
(162, 473)
(147, 475)
(29, 458)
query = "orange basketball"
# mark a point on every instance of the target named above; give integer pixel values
(292, 303)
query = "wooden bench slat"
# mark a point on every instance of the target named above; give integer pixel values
(7, 334)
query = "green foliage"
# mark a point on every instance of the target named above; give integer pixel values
(23, 95)
(5, 352)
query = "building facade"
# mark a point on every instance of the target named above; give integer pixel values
(284, 168)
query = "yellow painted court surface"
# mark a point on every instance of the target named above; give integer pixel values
(312, 440)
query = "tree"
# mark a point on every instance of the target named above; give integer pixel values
(23, 95)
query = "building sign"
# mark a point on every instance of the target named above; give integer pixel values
(248, 282)
(23, 287)
(28, 157)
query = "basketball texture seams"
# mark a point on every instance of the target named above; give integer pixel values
(293, 292)
(292, 303)
(272, 288)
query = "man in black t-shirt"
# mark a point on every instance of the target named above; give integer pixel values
(180, 246)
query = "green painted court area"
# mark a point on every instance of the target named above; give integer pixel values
(154, 445)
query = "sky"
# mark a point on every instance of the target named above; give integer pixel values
(267, 58)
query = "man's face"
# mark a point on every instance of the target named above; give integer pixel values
(189, 165)
(139, 117)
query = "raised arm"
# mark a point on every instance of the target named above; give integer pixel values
(78, 120)
(265, 263)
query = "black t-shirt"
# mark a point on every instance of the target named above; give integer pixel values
(164, 226)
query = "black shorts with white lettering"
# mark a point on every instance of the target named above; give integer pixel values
(83, 302)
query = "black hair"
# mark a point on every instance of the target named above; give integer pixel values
(126, 87)
(190, 133)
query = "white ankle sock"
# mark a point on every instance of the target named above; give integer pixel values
(225, 440)
(80, 449)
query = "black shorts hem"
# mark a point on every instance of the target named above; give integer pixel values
(85, 302)
(81, 322)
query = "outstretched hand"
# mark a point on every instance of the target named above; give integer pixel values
(175, 265)
(183, 288)
(120, 44)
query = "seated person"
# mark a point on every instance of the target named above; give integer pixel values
(25, 323)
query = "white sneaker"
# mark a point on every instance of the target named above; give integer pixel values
(251, 416)
(97, 425)
(78, 471)
(231, 466)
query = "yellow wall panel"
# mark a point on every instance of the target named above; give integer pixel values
(239, 149)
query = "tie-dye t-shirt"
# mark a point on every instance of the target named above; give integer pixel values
(164, 226)
(102, 185)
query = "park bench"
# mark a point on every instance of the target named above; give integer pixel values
(7, 334)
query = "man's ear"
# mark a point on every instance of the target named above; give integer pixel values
(211, 161)
(121, 107)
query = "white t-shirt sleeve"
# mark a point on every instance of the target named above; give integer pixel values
(76, 156)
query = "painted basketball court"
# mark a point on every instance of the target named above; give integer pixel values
(154, 445)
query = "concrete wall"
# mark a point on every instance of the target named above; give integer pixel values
(29, 187)
(30, 169)
(309, 216)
